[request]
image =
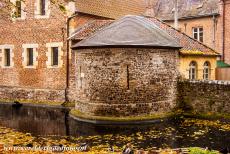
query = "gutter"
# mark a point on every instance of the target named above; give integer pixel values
(193, 17)
(67, 57)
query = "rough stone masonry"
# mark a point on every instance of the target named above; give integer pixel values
(125, 81)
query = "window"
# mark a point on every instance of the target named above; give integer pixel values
(30, 57)
(198, 33)
(206, 71)
(6, 54)
(18, 6)
(7, 57)
(54, 56)
(193, 70)
(42, 7)
(18, 12)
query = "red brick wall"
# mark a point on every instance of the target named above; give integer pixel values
(35, 31)
(227, 31)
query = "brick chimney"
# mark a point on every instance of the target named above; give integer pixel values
(149, 11)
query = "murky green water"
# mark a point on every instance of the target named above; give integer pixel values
(52, 123)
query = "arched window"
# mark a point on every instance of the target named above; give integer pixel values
(206, 71)
(193, 70)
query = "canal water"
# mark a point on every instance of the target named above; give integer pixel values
(42, 120)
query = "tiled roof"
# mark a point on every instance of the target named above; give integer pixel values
(111, 8)
(164, 9)
(190, 45)
(89, 28)
(130, 31)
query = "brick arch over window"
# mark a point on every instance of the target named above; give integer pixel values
(193, 69)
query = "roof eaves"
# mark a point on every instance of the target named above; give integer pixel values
(86, 13)
(187, 35)
(125, 46)
(193, 17)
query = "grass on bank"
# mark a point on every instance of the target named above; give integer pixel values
(31, 102)
(196, 150)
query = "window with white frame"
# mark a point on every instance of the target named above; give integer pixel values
(6, 54)
(30, 55)
(54, 54)
(193, 70)
(42, 9)
(206, 71)
(18, 10)
(198, 33)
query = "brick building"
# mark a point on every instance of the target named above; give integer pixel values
(33, 51)
(34, 48)
(205, 20)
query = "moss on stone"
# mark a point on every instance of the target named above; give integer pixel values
(68, 104)
(81, 115)
(209, 115)
(31, 102)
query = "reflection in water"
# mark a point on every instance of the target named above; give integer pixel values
(46, 120)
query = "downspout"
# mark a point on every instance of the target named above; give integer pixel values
(223, 35)
(214, 32)
(175, 14)
(67, 57)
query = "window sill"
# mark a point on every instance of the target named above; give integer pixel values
(30, 67)
(7, 67)
(55, 67)
(18, 19)
(41, 16)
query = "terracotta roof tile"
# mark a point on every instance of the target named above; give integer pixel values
(190, 45)
(187, 42)
(89, 28)
(111, 8)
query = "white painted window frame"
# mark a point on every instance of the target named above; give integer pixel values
(23, 12)
(37, 14)
(25, 57)
(207, 67)
(198, 33)
(2, 55)
(49, 54)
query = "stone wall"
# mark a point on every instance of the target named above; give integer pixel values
(118, 81)
(205, 96)
(31, 95)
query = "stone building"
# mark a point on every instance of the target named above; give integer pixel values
(197, 61)
(34, 49)
(127, 68)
